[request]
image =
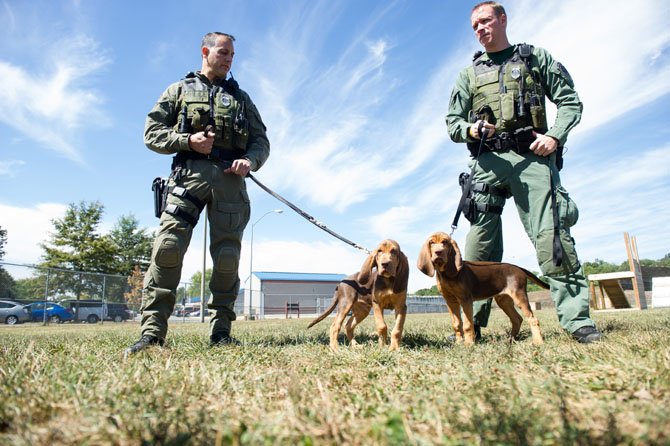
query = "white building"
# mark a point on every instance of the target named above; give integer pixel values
(286, 294)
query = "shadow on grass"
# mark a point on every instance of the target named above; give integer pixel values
(410, 340)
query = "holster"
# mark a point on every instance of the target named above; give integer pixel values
(470, 206)
(469, 210)
(160, 190)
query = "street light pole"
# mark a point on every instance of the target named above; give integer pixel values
(251, 255)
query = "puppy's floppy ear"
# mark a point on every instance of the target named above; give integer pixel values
(366, 269)
(402, 274)
(455, 262)
(425, 263)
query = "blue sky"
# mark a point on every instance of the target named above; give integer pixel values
(354, 95)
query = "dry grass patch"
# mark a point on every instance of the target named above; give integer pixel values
(68, 384)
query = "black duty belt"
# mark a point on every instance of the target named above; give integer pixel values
(518, 142)
(215, 155)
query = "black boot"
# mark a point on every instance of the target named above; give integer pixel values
(586, 335)
(144, 342)
(222, 338)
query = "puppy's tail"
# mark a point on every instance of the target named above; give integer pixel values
(329, 310)
(536, 279)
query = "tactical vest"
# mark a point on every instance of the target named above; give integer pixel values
(220, 107)
(508, 95)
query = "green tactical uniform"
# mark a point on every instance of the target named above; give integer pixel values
(489, 89)
(198, 180)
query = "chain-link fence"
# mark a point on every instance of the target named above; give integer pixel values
(95, 297)
(91, 297)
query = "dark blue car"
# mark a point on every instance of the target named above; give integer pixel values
(55, 313)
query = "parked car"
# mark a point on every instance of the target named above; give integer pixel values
(13, 312)
(55, 313)
(118, 312)
(89, 310)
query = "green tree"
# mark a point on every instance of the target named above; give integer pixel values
(193, 289)
(432, 291)
(132, 245)
(3, 240)
(76, 245)
(31, 288)
(599, 266)
(7, 284)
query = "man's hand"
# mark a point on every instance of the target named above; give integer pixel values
(543, 145)
(200, 143)
(240, 167)
(473, 131)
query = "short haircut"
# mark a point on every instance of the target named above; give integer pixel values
(498, 9)
(210, 39)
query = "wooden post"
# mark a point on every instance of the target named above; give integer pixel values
(603, 302)
(594, 297)
(634, 264)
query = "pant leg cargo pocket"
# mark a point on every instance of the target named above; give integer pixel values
(544, 248)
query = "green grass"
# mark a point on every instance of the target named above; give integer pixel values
(68, 384)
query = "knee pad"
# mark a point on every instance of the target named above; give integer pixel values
(168, 251)
(228, 258)
(544, 248)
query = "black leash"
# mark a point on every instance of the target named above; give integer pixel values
(468, 186)
(305, 215)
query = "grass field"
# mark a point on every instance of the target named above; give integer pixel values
(68, 384)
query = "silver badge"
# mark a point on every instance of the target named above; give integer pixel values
(225, 100)
(516, 73)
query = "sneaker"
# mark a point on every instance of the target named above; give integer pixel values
(478, 335)
(144, 342)
(222, 339)
(586, 335)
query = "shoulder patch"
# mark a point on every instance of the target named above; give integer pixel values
(560, 69)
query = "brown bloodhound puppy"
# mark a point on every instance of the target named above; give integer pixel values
(462, 282)
(380, 284)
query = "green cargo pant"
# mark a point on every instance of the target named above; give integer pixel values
(528, 179)
(228, 212)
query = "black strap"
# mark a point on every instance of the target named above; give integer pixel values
(485, 207)
(557, 248)
(176, 211)
(181, 192)
(488, 189)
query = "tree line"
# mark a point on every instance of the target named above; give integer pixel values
(77, 254)
(597, 266)
(81, 262)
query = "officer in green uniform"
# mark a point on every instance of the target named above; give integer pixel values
(501, 97)
(217, 136)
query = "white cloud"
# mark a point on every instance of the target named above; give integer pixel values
(9, 168)
(57, 97)
(281, 255)
(27, 227)
(612, 51)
